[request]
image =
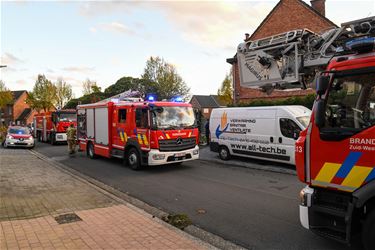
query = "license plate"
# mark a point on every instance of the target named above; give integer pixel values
(179, 155)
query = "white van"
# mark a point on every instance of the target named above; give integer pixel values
(267, 133)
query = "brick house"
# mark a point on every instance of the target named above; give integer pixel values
(19, 111)
(203, 105)
(286, 15)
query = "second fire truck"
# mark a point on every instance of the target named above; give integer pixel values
(51, 126)
(140, 132)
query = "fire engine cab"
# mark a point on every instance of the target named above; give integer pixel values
(51, 126)
(140, 132)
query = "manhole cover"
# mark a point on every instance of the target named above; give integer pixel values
(67, 218)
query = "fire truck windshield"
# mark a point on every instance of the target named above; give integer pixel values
(173, 117)
(351, 103)
(67, 117)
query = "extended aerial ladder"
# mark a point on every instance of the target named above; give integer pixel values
(292, 59)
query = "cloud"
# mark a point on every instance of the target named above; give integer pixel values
(9, 59)
(212, 23)
(79, 69)
(117, 27)
(93, 30)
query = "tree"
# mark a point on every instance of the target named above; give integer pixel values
(167, 83)
(6, 97)
(43, 95)
(63, 92)
(129, 83)
(225, 92)
(89, 87)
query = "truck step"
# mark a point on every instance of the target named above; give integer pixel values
(331, 233)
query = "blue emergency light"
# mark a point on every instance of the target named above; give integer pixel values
(361, 45)
(151, 98)
(177, 99)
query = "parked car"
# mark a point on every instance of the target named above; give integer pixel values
(18, 136)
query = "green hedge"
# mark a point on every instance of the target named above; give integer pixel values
(307, 101)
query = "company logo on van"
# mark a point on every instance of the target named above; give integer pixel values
(223, 125)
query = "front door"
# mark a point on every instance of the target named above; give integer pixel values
(142, 121)
(286, 138)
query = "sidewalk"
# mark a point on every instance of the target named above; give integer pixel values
(206, 155)
(42, 207)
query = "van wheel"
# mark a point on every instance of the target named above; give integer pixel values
(90, 151)
(133, 159)
(368, 232)
(224, 153)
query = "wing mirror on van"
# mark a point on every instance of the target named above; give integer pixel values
(295, 135)
(319, 113)
(322, 83)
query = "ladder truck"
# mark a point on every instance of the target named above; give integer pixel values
(335, 154)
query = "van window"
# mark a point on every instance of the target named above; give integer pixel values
(141, 118)
(122, 115)
(289, 128)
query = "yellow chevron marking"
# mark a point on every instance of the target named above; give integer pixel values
(167, 136)
(356, 176)
(121, 136)
(125, 137)
(145, 140)
(327, 172)
(189, 134)
(140, 141)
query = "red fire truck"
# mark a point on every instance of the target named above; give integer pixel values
(51, 126)
(335, 155)
(140, 132)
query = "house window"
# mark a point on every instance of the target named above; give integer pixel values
(205, 111)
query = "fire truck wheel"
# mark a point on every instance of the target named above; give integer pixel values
(90, 151)
(368, 232)
(52, 139)
(133, 159)
(224, 153)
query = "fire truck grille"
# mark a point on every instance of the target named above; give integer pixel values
(176, 144)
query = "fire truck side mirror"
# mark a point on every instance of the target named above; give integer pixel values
(322, 83)
(319, 113)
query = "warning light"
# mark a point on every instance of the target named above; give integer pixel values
(177, 99)
(151, 98)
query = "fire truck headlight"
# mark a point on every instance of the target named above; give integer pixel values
(305, 196)
(158, 157)
(195, 151)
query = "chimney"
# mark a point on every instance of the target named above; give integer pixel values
(247, 36)
(319, 6)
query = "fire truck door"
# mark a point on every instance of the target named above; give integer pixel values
(142, 120)
(120, 127)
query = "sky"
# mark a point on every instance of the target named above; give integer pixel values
(106, 40)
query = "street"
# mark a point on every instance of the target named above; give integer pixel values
(252, 208)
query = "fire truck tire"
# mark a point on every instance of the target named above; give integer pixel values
(133, 159)
(90, 151)
(52, 139)
(39, 136)
(224, 153)
(368, 232)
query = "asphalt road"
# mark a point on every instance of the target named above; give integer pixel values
(253, 208)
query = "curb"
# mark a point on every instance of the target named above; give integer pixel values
(254, 165)
(194, 233)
